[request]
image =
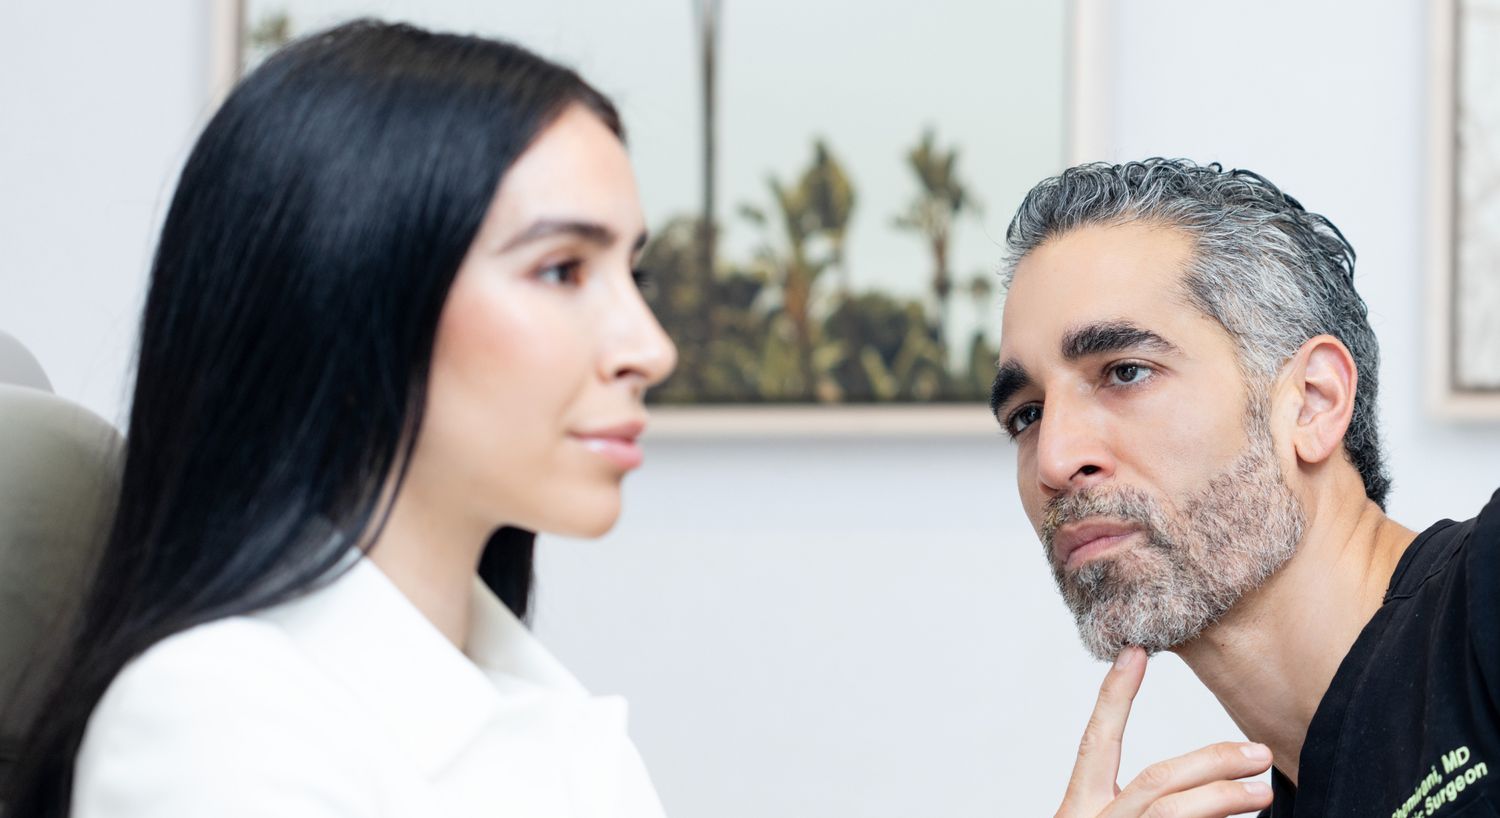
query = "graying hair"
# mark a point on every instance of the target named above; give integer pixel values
(1268, 271)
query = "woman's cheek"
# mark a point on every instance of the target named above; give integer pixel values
(488, 324)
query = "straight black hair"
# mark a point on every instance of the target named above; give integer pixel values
(287, 337)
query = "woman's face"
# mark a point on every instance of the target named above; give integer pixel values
(545, 346)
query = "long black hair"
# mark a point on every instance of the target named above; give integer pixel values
(287, 337)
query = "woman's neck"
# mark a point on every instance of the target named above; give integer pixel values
(431, 558)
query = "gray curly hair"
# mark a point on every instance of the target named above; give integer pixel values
(1271, 273)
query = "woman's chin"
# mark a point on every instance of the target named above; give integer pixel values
(598, 519)
(592, 530)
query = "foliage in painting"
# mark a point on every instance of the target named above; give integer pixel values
(785, 324)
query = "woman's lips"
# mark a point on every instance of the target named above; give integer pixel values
(615, 443)
(623, 452)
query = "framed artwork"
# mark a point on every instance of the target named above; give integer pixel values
(827, 185)
(1464, 234)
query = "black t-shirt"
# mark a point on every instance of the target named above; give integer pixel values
(1410, 726)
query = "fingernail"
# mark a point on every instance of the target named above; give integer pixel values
(1256, 752)
(1257, 788)
(1123, 660)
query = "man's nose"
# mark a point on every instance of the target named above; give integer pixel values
(1073, 449)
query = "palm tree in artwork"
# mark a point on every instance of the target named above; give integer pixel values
(829, 196)
(273, 30)
(939, 203)
(793, 264)
(803, 237)
(706, 13)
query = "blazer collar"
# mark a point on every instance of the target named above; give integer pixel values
(433, 698)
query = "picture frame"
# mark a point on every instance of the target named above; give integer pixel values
(1463, 302)
(1082, 112)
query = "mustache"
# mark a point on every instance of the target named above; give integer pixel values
(1124, 503)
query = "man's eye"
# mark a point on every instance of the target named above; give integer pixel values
(1125, 374)
(1022, 418)
(564, 274)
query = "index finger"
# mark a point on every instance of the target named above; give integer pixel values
(1099, 752)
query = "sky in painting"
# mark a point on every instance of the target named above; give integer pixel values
(867, 77)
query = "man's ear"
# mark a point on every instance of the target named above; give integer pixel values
(1317, 394)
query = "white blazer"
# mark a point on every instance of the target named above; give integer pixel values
(348, 702)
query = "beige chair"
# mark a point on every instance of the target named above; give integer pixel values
(59, 478)
(19, 366)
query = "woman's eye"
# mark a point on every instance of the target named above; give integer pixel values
(1022, 418)
(1126, 374)
(563, 274)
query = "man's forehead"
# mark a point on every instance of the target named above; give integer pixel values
(1114, 274)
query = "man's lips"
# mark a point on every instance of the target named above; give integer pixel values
(1076, 543)
(614, 442)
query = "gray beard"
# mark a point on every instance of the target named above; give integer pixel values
(1196, 563)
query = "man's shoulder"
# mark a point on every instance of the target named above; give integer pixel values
(1482, 591)
(1475, 547)
(1449, 551)
(1484, 540)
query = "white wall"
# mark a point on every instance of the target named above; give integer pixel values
(868, 628)
(1328, 100)
(861, 628)
(99, 103)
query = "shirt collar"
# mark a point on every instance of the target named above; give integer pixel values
(431, 697)
(504, 649)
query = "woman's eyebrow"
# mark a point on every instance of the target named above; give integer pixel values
(591, 232)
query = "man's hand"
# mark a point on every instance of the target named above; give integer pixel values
(1200, 784)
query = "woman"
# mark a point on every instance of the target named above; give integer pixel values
(392, 328)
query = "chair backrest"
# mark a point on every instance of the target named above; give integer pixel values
(18, 366)
(59, 481)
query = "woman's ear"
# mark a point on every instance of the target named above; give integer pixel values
(1318, 386)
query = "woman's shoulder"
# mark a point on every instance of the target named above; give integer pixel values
(226, 718)
(235, 665)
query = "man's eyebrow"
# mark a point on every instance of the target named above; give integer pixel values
(590, 232)
(1112, 336)
(1009, 379)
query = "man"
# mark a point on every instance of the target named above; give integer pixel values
(1190, 377)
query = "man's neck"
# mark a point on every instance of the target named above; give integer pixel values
(1270, 660)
